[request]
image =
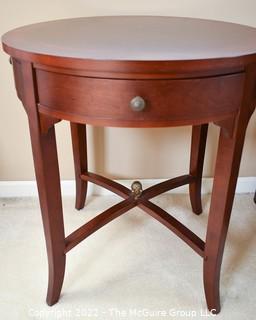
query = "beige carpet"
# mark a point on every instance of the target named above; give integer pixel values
(133, 268)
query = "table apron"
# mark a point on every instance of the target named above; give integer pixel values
(169, 102)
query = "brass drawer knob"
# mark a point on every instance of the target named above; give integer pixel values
(138, 104)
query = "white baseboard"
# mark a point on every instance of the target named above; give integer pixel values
(28, 188)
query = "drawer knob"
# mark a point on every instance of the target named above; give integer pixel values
(138, 104)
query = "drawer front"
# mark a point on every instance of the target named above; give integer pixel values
(111, 102)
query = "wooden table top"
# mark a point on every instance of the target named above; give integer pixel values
(134, 38)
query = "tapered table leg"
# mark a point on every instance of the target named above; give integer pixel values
(48, 182)
(255, 197)
(198, 143)
(226, 173)
(78, 134)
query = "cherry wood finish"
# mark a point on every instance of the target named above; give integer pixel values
(101, 101)
(136, 38)
(78, 135)
(195, 90)
(48, 182)
(143, 202)
(198, 143)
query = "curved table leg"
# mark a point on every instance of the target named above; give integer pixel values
(78, 134)
(225, 178)
(198, 143)
(48, 182)
(255, 197)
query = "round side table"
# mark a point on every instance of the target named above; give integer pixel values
(136, 71)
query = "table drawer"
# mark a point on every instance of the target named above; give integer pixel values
(167, 102)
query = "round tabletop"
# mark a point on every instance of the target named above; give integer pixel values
(130, 38)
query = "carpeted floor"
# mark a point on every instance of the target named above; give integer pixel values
(133, 268)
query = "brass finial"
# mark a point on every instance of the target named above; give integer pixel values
(136, 189)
